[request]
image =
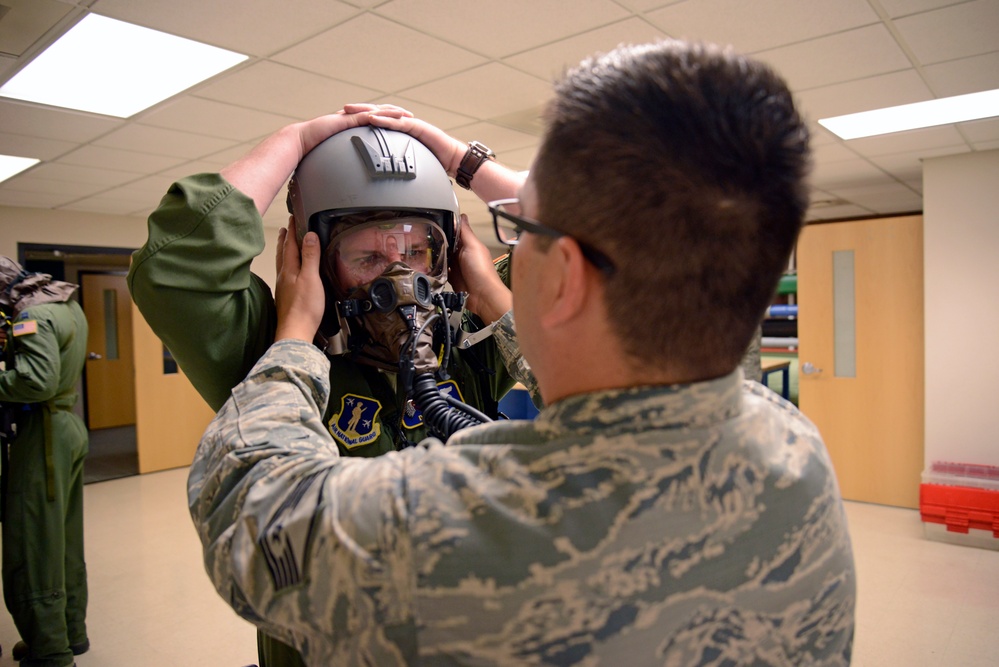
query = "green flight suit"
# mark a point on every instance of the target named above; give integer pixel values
(44, 574)
(192, 282)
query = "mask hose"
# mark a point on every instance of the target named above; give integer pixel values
(444, 418)
(445, 414)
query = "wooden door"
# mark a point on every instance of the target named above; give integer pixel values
(860, 330)
(110, 378)
(171, 415)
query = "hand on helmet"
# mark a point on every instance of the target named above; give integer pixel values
(300, 297)
(445, 148)
(473, 272)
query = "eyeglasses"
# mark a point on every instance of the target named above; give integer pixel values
(509, 224)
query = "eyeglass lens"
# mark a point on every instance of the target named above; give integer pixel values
(507, 229)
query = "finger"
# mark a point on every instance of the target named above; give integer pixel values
(358, 108)
(310, 254)
(290, 255)
(279, 260)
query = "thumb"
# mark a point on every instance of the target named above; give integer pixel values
(310, 253)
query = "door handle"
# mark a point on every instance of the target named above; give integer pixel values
(93, 356)
(808, 368)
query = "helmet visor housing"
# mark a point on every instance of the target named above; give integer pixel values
(361, 252)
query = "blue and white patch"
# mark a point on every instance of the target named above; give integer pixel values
(357, 422)
(413, 418)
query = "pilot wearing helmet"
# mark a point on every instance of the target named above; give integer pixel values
(408, 359)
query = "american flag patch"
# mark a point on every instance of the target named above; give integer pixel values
(25, 327)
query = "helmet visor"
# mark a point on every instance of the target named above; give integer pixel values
(361, 253)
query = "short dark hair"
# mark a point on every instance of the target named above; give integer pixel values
(686, 164)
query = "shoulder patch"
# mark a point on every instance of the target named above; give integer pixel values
(357, 422)
(24, 327)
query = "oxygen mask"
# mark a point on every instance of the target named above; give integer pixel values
(390, 274)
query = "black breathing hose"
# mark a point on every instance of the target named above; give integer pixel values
(441, 417)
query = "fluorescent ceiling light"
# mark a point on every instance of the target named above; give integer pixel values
(914, 116)
(11, 166)
(115, 68)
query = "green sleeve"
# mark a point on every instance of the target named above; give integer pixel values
(36, 372)
(192, 283)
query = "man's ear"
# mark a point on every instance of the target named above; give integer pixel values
(573, 285)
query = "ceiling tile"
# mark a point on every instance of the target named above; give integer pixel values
(400, 57)
(548, 62)
(48, 123)
(832, 152)
(180, 171)
(100, 204)
(837, 213)
(284, 90)
(70, 173)
(505, 27)
(27, 21)
(874, 92)
(113, 158)
(161, 141)
(254, 27)
(761, 24)
(897, 8)
(967, 75)
(32, 199)
(145, 191)
(69, 190)
(882, 198)
(520, 159)
(908, 166)
(36, 147)
(942, 136)
(831, 176)
(647, 5)
(958, 31)
(980, 131)
(855, 54)
(198, 116)
(487, 91)
(499, 139)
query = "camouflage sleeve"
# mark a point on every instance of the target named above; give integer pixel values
(505, 335)
(297, 540)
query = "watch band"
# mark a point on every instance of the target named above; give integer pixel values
(474, 157)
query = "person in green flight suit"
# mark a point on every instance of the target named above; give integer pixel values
(44, 573)
(388, 217)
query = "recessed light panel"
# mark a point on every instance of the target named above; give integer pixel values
(11, 165)
(958, 109)
(115, 68)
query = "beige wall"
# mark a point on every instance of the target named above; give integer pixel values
(32, 225)
(961, 254)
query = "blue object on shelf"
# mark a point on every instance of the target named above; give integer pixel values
(782, 310)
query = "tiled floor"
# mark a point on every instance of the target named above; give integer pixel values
(922, 602)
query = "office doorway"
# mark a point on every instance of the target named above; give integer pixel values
(107, 389)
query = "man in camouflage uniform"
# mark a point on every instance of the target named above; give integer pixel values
(44, 574)
(659, 510)
(193, 284)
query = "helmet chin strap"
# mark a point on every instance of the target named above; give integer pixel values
(392, 323)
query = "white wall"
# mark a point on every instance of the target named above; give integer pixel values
(961, 252)
(77, 228)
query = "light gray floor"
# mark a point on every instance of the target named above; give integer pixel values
(922, 602)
